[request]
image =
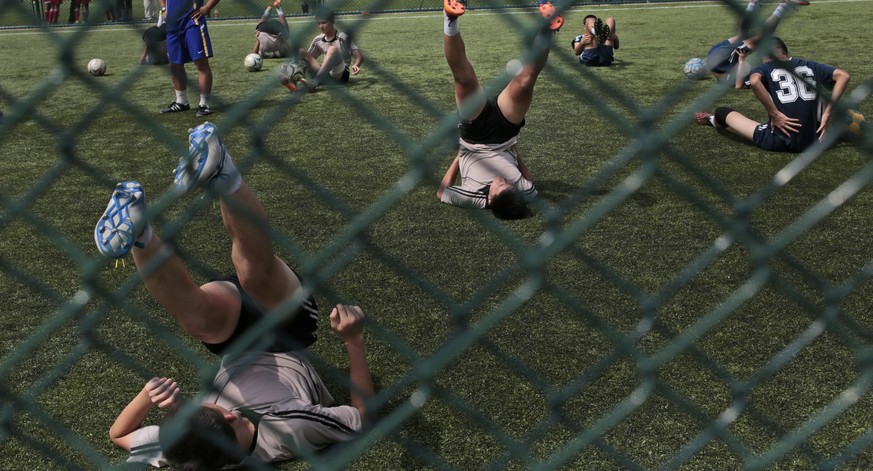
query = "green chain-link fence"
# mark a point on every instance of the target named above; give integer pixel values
(679, 299)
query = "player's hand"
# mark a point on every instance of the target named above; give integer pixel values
(355, 69)
(348, 322)
(198, 13)
(785, 124)
(587, 39)
(163, 392)
(822, 128)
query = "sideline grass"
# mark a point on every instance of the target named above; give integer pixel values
(546, 375)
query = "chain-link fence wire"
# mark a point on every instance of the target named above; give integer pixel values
(638, 164)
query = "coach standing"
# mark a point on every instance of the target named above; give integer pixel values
(188, 41)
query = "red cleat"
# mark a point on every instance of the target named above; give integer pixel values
(547, 10)
(454, 8)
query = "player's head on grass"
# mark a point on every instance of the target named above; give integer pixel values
(204, 444)
(509, 204)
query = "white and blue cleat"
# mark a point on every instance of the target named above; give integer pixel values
(123, 220)
(205, 159)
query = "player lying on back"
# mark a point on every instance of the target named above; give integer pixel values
(492, 173)
(787, 87)
(271, 35)
(596, 46)
(267, 402)
(721, 59)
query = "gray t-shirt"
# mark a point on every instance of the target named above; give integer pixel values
(320, 45)
(479, 165)
(286, 392)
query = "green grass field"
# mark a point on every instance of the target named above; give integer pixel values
(676, 301)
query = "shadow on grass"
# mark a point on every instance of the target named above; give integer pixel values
(555, 192)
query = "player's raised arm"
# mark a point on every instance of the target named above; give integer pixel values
(449, 178)
(161, 392)
(348, 322)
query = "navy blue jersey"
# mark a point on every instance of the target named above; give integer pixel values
(179, 14)
(792, 86)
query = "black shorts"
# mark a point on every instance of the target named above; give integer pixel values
(490, 127)
(295, 333)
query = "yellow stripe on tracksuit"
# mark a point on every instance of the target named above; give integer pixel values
(202, 35)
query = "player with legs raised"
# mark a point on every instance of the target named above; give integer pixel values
(493, 175)
(291, 411)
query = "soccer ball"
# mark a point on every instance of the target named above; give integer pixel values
(97, 67)
(253, 62)
(293, 71)
(695, 68)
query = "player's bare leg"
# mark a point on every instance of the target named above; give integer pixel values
(467, 87)
(733, 120)
(264, 276)
(612, 39)
(208, 313)
(516, 98)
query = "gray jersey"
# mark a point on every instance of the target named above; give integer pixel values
(478, 165)
(288, 395)
(320, 45)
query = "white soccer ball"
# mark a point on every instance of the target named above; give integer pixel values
(97, 67)
(695, 68)
(294, 70)
(253, 62)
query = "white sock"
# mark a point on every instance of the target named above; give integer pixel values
(712, 121)
(204, 99)
(266, 13)
(450, 25)
(279, 11)
(144, 237)
(229, 180)
(752, 5)
(182, 97)
(780, 9)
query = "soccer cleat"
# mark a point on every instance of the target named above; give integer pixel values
(203, 110)
(121, 223)
(704, 119)
(176, 107)
(204, 161)
(601, 30)
(277, 3)
(454, 8)
(309, 85)
(547, 11)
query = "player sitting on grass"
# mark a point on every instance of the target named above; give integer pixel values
(721, 59)
(269, 400)
(595, 47)
(338, 50)
(492, 172)
(788, 89)
(271, 36)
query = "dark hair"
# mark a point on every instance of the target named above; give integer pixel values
(586, 18)
(778, 43)
(509, 204)
(325, 14)
(199, 448)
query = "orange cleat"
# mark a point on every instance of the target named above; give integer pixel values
(454, 8)
(547, 10)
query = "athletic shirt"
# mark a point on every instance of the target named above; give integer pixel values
(288, 400)
(796, 96)
(320, 45)
(179, 14)
(478, 165)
